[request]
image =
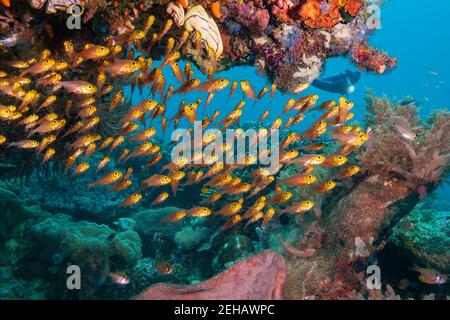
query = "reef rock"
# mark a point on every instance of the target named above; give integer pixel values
(260, 277)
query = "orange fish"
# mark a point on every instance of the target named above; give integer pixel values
(260, 184)
(118, 97)
(199, 212)
(230, 208)
(290, 138)
(213, 85)
(154, 160)
(164, 268)
(299, 180)
(119, 278)
(81, 168)
(214, 197)
(316, 130)
(90, 123)
(49, 126)
(103, 163)
(268, 215)
(308, 160)
(155, 181)
(25, 144)
(264, 115)
(121, 67)
(71, 159)
(132, 200)
(348, 172)
(254, 218)
(280, 197)
(215, 9)
(273, 90)
(247, 89)
(176, 177)
(160, 198)
(124, 154)
(116, 142)
(175, 217)
(87, 112)
(262, 92)
(233, 87)
(48, 155)
(259, 204)
(314, 147)
(220, 181)
(39, 67)
(46, 141)
(299, 207)
(122, 185)
(334, 161)
(106, 143)
(232, 222)
(109, 178)
(77, 87)
(326, 186)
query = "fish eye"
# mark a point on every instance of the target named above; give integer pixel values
(340, 158)
(308, 202)
(309, 177)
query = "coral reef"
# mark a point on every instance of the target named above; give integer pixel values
(425, 233)
(402, 155)
(285, 38)
(260, 277)
(88, 245)
(290, 40)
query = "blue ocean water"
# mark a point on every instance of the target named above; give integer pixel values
(415, 32)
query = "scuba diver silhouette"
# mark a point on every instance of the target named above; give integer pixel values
(343, 83)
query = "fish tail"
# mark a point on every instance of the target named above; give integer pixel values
(31, 133)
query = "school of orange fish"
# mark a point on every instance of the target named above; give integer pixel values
(44, 118)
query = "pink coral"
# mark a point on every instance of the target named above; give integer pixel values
(372, 59)
(282, 10)
(260, 277)
(250, 14)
